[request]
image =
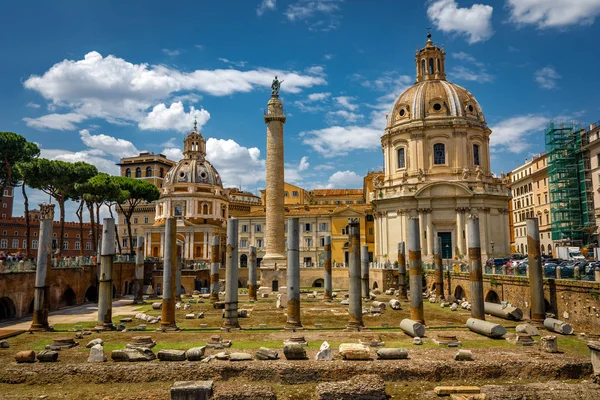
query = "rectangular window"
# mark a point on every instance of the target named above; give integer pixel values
(349, 202)
(547, 218)
(24, 243)
(539, 198)
(77, 245)
(308, 227)
(295, 193)
(401, 158)
(5, 192)
(244, 228)
(257, 228)
(259, 243)
(15, 244)
(322, 241)
(307, 242)
(134, 240)
(476, 154)
(88, 245)
(135, 231)
(545, 197)
(34, 244)
(65, 245)
(323, 227)
(124, 242)
(538, 184)
(439, 154)
(135, 220)
(145, 220)
(243, 243)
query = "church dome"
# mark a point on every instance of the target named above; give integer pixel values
(194, 167)
(432, 96)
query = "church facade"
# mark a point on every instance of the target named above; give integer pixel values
(437, 169)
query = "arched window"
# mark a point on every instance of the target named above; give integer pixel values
(401, 158)
(550, 250)
(149, 171)
(128, 173)
(543, 250)
(205, 209)
(439, 153)
(439, 65)
(423, 70)
(431, 66)
(138, 172)
(476, 154)
(161, 172)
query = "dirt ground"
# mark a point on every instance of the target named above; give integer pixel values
(497, 363)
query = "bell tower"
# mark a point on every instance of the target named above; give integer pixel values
(194, 145)
(430, 62)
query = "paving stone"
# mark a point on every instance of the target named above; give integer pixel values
(171, 355)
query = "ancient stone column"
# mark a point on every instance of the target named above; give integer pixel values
(230, 318)
(476, 272)
(439, 268)
(274, 199)
(139, 270)
(355, 308)
(214, 269)
(178, 290)
(169, 275)
(40, 302)
(252, 284)
(415, 271)
(328, 283)
(106, 276)
(293, 274)
(536, 285)
(364, 271)
(402, 271)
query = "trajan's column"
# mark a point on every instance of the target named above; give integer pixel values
(275, 256)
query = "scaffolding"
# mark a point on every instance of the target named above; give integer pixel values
(571, 197)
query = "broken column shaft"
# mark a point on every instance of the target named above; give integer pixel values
(536, 286)
(415, 271)
(169, 275)
(293, 274)
(355, 308)
(106, 276)
(327, 265)
(40, 302)
(476, 272)
(214, 269)
(139, 270)
(439, 269)
(230, 320)
(402, 271)
(252, 285)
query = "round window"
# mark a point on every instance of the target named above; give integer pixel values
(470, 108)
(402, 112)
(182, 174)
(437, 106)
(203, 175)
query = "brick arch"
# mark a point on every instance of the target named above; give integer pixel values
(492, 297)
(8, 309)
(459, 292)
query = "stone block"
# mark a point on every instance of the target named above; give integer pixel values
(192, 390)
(392, 354)
(238, 356)
(195, 353)
(282, 300)
(219, 305)
(360, 387)
(294, 351)
(171, 355)
(156, 306)
(97, 354)
(345, 302)
(417, 340)
(266, 354)
(595, 356)
(549, 344)
(395, 304)
(133, 355)
(558, 326)
(454, 307)
(378, 304)
(141, 341)
(47, 356)
(94, 342)
(324, 353)
(27, 356)
(463, 396)
(354, 351)
(463, 355)
(242, 313)
(200, 315)
(264, 295)
(4, 344)
(222, 356)
(190, 316)
(527, 329)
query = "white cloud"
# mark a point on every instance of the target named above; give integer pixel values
(240, 64)
(319, 15)
(121, 92)
(199, 46)
(266, 5)
(303, 166)
(236, 164)
(173, 117)
(32, 105)
(318, 96)
(323, 167)
(171, 53)
(93, 157)
(553, 13)
(329, 56)
(461, 55)
(546, 78)
(343, 115)
(172, 142)
(345, 101)
(475, 22)
(108, 144)
(345, 179)
(339, 140)
(56, 121)
(512, 134)
(173, 153)
(464, 73)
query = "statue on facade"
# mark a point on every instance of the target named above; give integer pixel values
(377, 181)
(405, 177)
(421, 174)
(479, 172)
(466, 173)
(275, 86)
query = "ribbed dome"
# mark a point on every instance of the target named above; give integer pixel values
(434, 99)
(193, 171)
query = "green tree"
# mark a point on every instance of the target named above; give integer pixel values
(31, 151)
(58, 179)
(133, 193)
(14, 149)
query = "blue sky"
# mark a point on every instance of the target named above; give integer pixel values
(99, 80)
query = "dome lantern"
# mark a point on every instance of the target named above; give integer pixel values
(194, 145)
(430, 62)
